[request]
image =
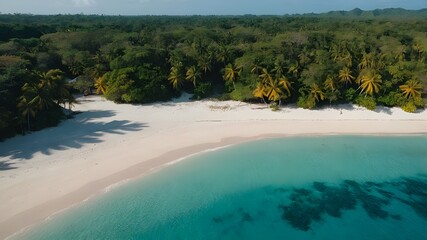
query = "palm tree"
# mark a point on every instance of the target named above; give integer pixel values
(98, 58)
(278, 69)
(335, 52)
(345, 76)
(27, 109)
(61, 92)
(255, 67)
(316, 92)
(205, 63)
(265, 76)
(52, 87)
(329, 83)
(273, 91)
(370, 82)
(71, 100)
(400, 53)
(101, 85)
(223, 54)
(76, 68)
(294, 69)
(38, 95)
(275, 88)
(97, 71)
(286, 84)
(367, 61)
(411, 89)
(304, 58)
(175, 77)
(192, 75)
(347, 59)
(50, 78)
(419, 50)
(260, 91)
(231, 73)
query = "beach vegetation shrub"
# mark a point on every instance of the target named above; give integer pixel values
(306, 102)
(392, 99)
(274, 106)
(241, 93)
(83, 84)
(366, 102)
(419, 102)
(409, 106)
(202, 90)
(350, 95)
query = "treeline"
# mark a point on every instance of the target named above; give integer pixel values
(310, 61)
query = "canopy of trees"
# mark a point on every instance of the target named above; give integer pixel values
(367, 58)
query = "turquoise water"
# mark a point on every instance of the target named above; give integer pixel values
(334, 187)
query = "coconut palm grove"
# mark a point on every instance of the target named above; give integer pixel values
(367, 58)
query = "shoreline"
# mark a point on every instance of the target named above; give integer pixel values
(161, 146)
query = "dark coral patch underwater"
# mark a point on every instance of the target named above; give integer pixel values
(300, 207)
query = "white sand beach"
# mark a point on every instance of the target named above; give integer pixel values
(46, 171)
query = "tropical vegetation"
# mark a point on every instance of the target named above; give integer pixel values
(364, 57)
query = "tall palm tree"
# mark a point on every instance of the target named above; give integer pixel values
(304, 58)
(345, 76)
(400, 53)
(231, 73)
(192, 75)
(256, 67)
(347, 59)
(97, 71)
(275, 88)
(285, 84)
(27, 109)
(335, 52)
(411, 89)
(274, 91)
(278, 69)
(223, 54)
(367, 61)
(50, 78)
(329, 83)
(294, 69)
(101, 85)
(260, 91)
(62, 91)
(52, 87)
(38, 95)
(176, 78)
(316, 92)
(76, 68)
(418, 48)
(204, 63)
(71, 100)
(265, 76)
(370, 82)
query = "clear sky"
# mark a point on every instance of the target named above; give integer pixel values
(202, 7)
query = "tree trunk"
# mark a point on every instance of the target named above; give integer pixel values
(28, 121)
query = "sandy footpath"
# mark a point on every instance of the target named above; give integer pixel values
(46, 171)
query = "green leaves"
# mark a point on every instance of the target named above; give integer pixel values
(411, 89)
(370, 82)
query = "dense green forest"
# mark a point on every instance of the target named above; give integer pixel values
(367, 58)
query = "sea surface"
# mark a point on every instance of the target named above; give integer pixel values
(325, 187)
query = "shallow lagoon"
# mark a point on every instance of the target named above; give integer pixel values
(326, 187)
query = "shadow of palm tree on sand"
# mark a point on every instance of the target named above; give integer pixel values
(84, 129)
